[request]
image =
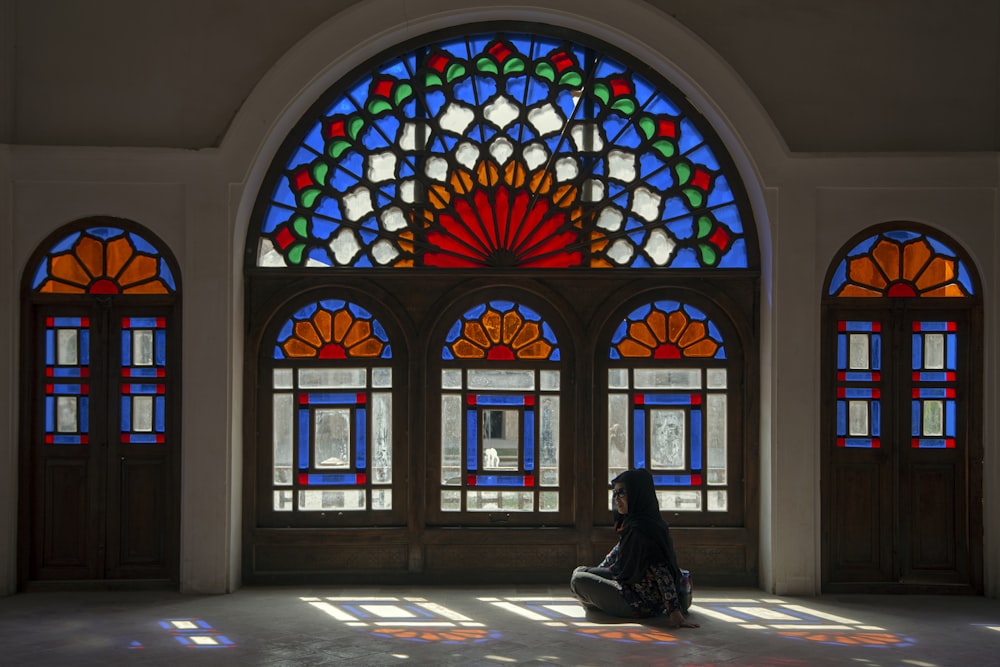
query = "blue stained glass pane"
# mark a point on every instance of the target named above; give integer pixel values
(476, 312)
(876, 356)
(275, 216)
(40, 274)
(304, 439)
(301, 156)
(950, 418)
(471, 439)
(668, 399)
(50, 414)
(83, 414)
(350, 479)
(858, 443)
(160, 353)
(696, 439)
(841, 418)
(446, 354)
(328, 207)
(933, 376)
(839, 277)
(529, 440)
(67, 389)
(620, 333)
(342, 106)
(283, 194)
(555, 355)
(143, 322)
(84, 350)
(314, 138)
(863, 247)
(876, 418)
(607, 67)
(721, 193)
(639, 437)
(487, 399)
(965, 278)
(499, 480)
(917, 352)
(332, 399)
(361, 438)
(159, 413)
(567, 104)
(126, 414)
(915, 415)
(142, 245)
(841, 352)
(687, 258)
(660, 104)
(142, 439)
(952, 352)
(454, 332)
(50, 347)
(690, 138)
(66, 243)
(903, 235)
(105, 233)
(706, 157)
(858, 392)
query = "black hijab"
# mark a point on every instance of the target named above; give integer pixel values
(645, 538)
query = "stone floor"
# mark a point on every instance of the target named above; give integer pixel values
(493, 626)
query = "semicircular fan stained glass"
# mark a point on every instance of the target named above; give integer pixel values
(103, 261)
(901, 264)
(667, 330)
(332, 329)
(501, 331)
(502, 150)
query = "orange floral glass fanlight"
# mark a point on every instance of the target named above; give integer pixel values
(667, 330)
(501, 331)
(901, 264)
(332, 329)
(104, 260)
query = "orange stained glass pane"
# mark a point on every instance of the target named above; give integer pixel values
(864, 272)
(67, 268)
(342, 322)
(307, 332)
(370, 347)
(474, 332)
(887, 255)
(141, 268)
(118, 252)
(854, 290)
(940, 270)
(511, 325)
(54, 287)
(951, 290)
(528, 333)
(463, 349)
(152, 287)
(537, 350)
(704, 348)
(694, 332)
(492, 323)
(323, 321)
(915, 257)
(90, 252)
(657, 323)
(295, 347)
(640, 332)
(357, 333)
(630, 348)
(676, 323)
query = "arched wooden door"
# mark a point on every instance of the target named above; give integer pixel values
(902, 456)
(100, 453)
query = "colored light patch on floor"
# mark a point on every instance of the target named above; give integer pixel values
(194, 633)
(568, 614)
(407, 618)
(796, 621)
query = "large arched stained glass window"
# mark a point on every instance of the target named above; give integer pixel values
(502, 150)
(500, 383)
(331, 395)
(668, 407)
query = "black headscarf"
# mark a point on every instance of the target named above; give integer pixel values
(645, 537)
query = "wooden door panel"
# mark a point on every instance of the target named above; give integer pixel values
(932, 522)
(138, 548)
(66, 550)
(860, 550)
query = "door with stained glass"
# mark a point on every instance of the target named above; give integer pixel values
(100, 464)
(900, 474)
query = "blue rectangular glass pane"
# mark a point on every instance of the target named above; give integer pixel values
(141, 439)
(529, 440)
(499, 480)
(876, 425)
(695, 439)
(917, 353)
(126, 416)
(672, 480)
(342, 479)
(50, 347)
(142, 389)
(361, 438)
(303, 439)
(161, 348)
(915, 427)
(952, 343)
(931, 443)
(841, 418)
(668, 399)
(858, 392)
(139, 372)
(841, 352)
(858, 443)
(933, 392)
(876, 357)
(867, 327)
(934, 376)
(471, 439)
(639, 437)
(950, 409)
(84, 353)
(855, 376)
(332, 399)
(490, 399)
(126, 348)
(50, 414)
(160, 414)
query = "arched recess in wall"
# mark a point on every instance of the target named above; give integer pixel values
(901, 415)
(525, 156)
(100, 436)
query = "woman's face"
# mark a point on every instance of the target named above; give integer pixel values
(621, 498)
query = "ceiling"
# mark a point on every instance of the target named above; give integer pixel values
(843, 76)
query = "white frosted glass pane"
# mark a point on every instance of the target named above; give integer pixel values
(621, 251)
(679, 501)
(663, 378)
(501, 150)
(546, 119)
(451, 379)
(621, 165)
(381, 167)
(67, 353)
(142, 347)
(617, 434)
(933, 418)
(381, 499)
(333, 378)
(506, 501)
(344, 246)
(451, 501)
(142, 414)
(283, 378)
(668, 439)
(618, 378)
(319, 501)
(548, 501)
(660, 247)
(384, 252)
(283, 501)
(500, 429)
(282, 437)
(566, 169)
(587, 137)
(357, 203)
(934, 351)
(501, 112)
(548, 454)
(414, 136)
(716, 437)
(718, 501)
(858, 356)
(381, 438)
(332, 438)
(451, 439)
(716, 378)
(66, 414)
(535, 155)
(549, 380)
(393, 219)
(646, 204)
(857, 418)
(610, 219)
(506, 379)
(381, 378)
